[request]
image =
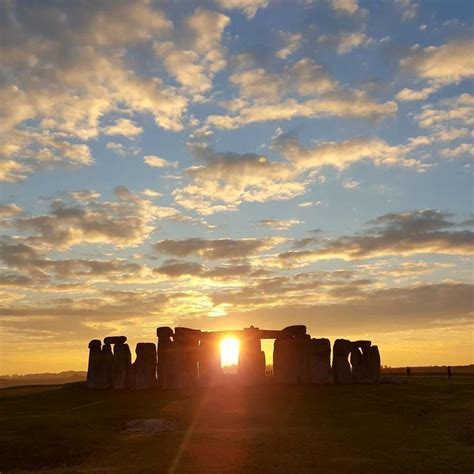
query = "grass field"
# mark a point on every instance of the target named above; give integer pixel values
(425, 425)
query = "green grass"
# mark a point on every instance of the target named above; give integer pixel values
(425, 425)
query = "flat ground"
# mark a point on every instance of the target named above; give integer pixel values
(424, 425)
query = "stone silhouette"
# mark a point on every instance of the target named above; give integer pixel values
(340, 364)
(320, 362)
(186, 358)
(143, 371)
(94, 367)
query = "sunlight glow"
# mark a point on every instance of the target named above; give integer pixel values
(229, 351)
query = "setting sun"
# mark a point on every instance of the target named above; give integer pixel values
(229, 351)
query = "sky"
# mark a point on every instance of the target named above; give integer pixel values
(227, 163)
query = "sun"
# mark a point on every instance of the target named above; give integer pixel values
(229, 351)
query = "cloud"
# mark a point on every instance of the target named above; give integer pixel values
(49, 112)
(348, 7)
(345, 42)
(442, 65)
(249, 7)
(8, 210)
(12, 172)
(279, 224)
(357, 107)
(407, 95)
(222, 181)
(350, 183)
(311, 79)
(215, 249)
(462, 149)
(127, 221)
(408, 9)
(158, 162)
(125, 127)
(458, 111)
(343, 154)
(257, 83)
(293, 43)
(400, 234)
(206, 28)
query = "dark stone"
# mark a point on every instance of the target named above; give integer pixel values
(95, 344)
(358, 364)
(94, 366)
(144, 367)
(251, 368)
(373, 366)
(115, 340)
(291, 359)
(186, 333)
(340, 365)
(165, 345)
(186, 353)
(210, 371)
(320, 361)
(121, 366)
(106, 367)
(362, 344)
(293, 331)
(164, 332)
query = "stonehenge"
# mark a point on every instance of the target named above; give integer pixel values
(186, 358)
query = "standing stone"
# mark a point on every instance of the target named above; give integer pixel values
(373, 369)
(186, 344)
(291, 357)
(357, 364)
(304, 350)
(360, 360)
(94, 365)
(144, 367)
(278, 357)
(251, 368)
(320, 361)
(121, 366)
(210, 370)
(164, 348)
(282, 365)
(106, 367)
(340, 365)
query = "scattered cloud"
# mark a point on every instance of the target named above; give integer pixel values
(293, 43)
(215, 249)
(348, 7)
(449, 63)
(248, 7)
(402, 234)
(350, 183)
(345, 42)
(125, 127)
(158, 162)
(279, 224)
